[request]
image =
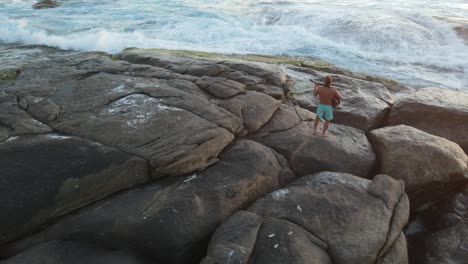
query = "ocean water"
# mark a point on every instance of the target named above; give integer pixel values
(413, 41)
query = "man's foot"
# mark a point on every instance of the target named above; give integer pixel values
(316, 133)
(325, 135)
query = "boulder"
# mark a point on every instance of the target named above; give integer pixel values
(15, 121)
(365, 104)
(323, 218)
(46, 176)
(429, 165)
(235, 239)
(290, 133)
(254, 108)
(438, 234)
(441, 112)
(173, 219)
(59, 252)
(45, 4)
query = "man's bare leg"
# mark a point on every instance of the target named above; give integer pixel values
(325, 128)
(316, 123)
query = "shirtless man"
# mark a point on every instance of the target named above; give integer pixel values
(325, 108)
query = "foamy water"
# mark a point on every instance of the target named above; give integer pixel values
(413, 41)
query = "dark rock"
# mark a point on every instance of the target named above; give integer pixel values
(45, 4)
(257, 76)
(15, 121)
(364, 106)
(59, 252)
(46, 176)
(430, 166)
(441, 112)
(323, 218)
(172, 220)
(438, 234)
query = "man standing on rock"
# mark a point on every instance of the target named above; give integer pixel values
(326, 95)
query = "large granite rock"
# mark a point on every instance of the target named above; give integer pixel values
(364, 106)
(177, 120)
(172, 220)
(46, 176)
(322, 218)
(60, 252)
(429, 165)
(441, 112)
(439, 234)
(290, 132)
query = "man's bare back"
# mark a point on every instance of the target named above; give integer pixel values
(325, 108)
(326, 94)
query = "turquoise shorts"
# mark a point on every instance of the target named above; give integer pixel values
(325, 112)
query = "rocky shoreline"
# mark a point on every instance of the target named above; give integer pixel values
(156, 156)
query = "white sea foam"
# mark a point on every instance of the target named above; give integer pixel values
(398, 39)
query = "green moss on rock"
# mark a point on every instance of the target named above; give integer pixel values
(8, 74)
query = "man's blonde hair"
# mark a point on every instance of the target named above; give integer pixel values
(328, 81)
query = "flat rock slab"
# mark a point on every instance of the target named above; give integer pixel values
(172, 221)
(178, 119)
(429, 165)
(290, 132)
(46, 176)
(441, 112)
(364, 106)
(59, 252)
(323, 218)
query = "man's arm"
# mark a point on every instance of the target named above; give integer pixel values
(316, 88)
(338, 95)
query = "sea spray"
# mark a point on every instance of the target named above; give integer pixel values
(398, 39)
